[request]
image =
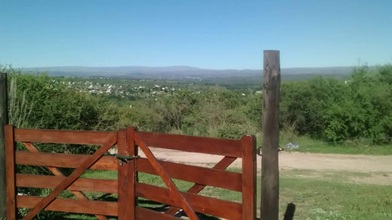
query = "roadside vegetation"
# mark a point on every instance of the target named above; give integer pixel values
(326, 115)
(323, 115)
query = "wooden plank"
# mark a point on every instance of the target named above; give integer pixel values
(64, 160)
(174, 192)
(57, 172)
(203, 204)
(201, 175)
(71, 205)
(270, 165)
(10, 171)
(221, 165)
(132, 149)
(62, 136)
(126, 194)
(71, 178)
(249, 168)
(224, 147)
(81, 184)
(123, 181)
(3, 122)
(143, 213)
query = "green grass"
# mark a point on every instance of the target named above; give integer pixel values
(328, 198)
(344, 149)
(307, 144)
(316, 195)
(328, 195)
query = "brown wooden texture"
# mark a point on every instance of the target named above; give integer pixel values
(270, 165)
(3, 122)
(72, 177)
(64, 160)
(81, 184)
(224, 147)
(70, 205)
(174, 192)
(57, 172)
(143, 214)
(205, 176)
(62, 136)
(126, 194)
(203, 204)
(10, 174)
(127, 187)
(249, 168)
(133, 150)
(196, 188)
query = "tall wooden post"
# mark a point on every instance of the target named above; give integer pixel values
(269, 208)
(3, 121)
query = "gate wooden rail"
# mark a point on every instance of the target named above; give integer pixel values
(59, 182)
(129, 142)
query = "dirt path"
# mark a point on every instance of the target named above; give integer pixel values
(295, 160)
(375, 169)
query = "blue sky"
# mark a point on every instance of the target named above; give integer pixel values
(219, 34)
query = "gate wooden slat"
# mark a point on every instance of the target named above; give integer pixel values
(81, 184)
(127, 186)
(203, 204)
(207, 145)
(70, 205)
(166, 178)
(64, 160)
(71, 178)
(62, 136)
(205, 176)
(10, 171)
(196, 188)
(57, 172)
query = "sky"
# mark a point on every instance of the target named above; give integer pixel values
(215, 34)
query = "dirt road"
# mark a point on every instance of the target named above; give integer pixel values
(294, 160)
(377, 169)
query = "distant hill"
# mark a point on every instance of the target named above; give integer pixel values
(179, 72)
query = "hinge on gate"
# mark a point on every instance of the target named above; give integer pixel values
(124, 158)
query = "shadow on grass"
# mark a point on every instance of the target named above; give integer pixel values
(152, 205)
(290, 210)
(289, 214)
(200, 216)
(108, 197)
(50, 215)
(160, 207)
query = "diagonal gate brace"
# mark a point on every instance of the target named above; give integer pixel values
(166, 179)
(57, 172)
(196, 188)
(71, 178)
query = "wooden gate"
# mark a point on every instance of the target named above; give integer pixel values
(130, 165)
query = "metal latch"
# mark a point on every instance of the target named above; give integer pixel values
(260, 152)
(124, 158)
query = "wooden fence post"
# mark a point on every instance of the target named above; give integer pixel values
(269, 208)
(3, 121)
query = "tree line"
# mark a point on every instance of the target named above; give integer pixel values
(323, 108)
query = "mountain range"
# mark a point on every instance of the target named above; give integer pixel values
(177, 72)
